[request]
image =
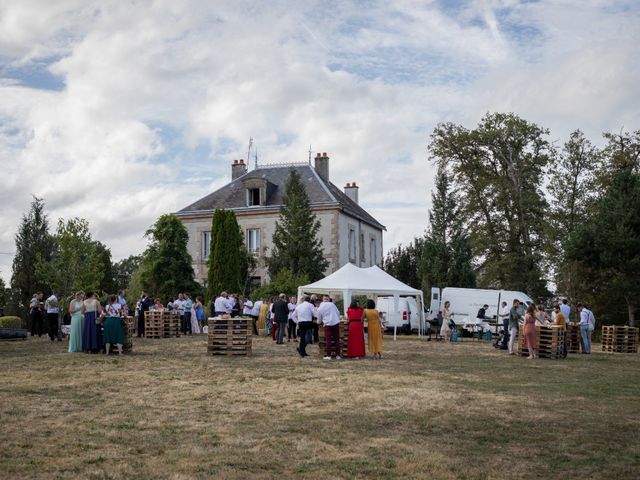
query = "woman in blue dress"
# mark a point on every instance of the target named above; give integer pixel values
(91, 332)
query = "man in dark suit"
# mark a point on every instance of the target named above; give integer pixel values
(281, 316)
(145, 304)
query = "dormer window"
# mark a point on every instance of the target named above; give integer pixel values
(253, 196)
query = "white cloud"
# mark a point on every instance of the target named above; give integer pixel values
(159, 96)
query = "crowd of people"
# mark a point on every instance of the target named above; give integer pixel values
(527, 316)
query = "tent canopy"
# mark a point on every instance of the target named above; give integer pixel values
(360, 281)
(351, 280)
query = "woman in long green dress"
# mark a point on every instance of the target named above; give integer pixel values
(113, 333)
(76, 309)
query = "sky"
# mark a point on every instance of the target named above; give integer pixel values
(120, 111)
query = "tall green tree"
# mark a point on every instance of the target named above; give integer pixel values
(497, 168)
(228, 256)
(606, 247)
(166, 267)
(75, 263)
(124, 269)
(33, 242)
(573, 189)
(296, 245)
(107, 282)
(402, 262)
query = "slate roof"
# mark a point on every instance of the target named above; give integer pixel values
(233, 197)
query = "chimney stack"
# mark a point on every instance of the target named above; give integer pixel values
(351, 191)
(322, 166)
(238, 168)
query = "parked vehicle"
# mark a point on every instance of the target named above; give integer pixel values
(465, 302)
(405, 316)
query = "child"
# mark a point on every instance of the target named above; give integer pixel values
(499, 341)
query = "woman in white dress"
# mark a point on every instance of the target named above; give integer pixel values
(445, 329)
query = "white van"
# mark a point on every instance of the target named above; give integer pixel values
(465, 302)
(406, 316)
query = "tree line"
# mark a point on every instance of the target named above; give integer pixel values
(513, 210)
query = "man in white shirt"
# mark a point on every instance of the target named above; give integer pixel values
(220, 305)
(255, 313)
(304, 314)
(51, 307)
(585, 328)
(329, 316)
(247, 308)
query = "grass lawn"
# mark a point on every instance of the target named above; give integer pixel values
(427, 410)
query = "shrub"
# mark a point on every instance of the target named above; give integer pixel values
(10, 322)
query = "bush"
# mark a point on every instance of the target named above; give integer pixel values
(284, 282)
(10, 322)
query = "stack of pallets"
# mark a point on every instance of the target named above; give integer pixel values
(127, 327)
(229, 336)
(154, 324)
(344, 338)
(171, 321)
(549, 341)
(573, 338)
(619, 339)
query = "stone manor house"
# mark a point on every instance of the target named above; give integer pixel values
(348, 232)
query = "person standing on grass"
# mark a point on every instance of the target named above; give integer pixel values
(585, 328)
(329, 316)
(220, 305)
(504, 316)
(91, 333)
(281, 316)
(35, 312)
(445, 329)
(76, 309)
(374, 329)
(255, 314)
(51, 306)
(113, 333)
(514, 319)
(145, 305)
(123, 302)
(200, 316)
(291, 325)
(530, 332)
(186, 322)
(304, 314)
(561, 322)
(355, 340)
(566, 310)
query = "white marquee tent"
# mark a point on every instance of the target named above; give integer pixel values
(372, 282)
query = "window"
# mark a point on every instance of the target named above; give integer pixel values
(362, 247)
(352, 245)
(253, 240)
(253, 195)
(206, 244)
(373, 254)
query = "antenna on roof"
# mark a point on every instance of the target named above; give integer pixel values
(256, 157)
(309, 154)
(249, 150)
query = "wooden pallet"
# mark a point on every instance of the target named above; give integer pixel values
(154, 324)
(171, 322)
(229, 336)
(344, 339)
(619, 339)
(127, 328)
(573, 338)
(549, 341)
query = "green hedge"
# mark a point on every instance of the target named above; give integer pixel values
(10, 322)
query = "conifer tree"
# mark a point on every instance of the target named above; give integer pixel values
(33, 242)
(227, 264)
(296, 245)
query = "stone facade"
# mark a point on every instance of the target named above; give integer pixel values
(348, 233)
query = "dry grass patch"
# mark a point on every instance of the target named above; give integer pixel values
(427, 410)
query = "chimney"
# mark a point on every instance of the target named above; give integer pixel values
(322, 166)
(351, 190)
(238, 169)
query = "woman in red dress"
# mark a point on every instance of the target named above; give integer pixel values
(530, 332)
(355, 342)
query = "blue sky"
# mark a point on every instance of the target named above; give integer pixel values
(121, 111)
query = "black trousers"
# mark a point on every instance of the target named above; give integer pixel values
(52, 318)
(141, 324)
(185, 321)
(254, 321)
(36, 323)
(291, 329)
(316, 329)
(303, 327)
